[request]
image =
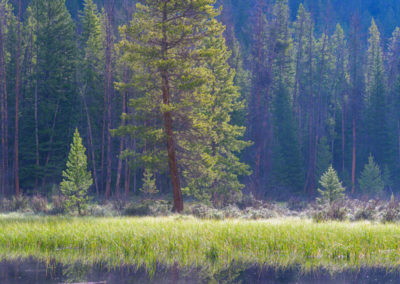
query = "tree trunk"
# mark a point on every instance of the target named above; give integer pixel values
(121, 145)
(168, 123)
(17, 88)
(53, 126)
(257, 104)
(353, 168)
(91, 146)
(4, 114)
(343, 135)
(108, 88)
(36, 108)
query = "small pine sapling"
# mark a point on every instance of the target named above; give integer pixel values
(77, 179)
(333, 189)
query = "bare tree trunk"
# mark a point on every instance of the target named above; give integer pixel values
(353, 168)
(257, 103)
(53, 126)
(91, 147)
(121, 145)
(313, 135)
(108, 88)
(343, 134)
(173, 164)
(4, 115)
(17, 88)
(36, 108)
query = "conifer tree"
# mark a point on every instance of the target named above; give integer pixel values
(289, 170)
(332, 189)
(376, 99)
(324, 156)
(164, 46)
(371, 178)
(77, 179)
(213, 167)
(51, 93)
(149, 183)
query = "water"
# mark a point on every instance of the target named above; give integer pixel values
(32, 272)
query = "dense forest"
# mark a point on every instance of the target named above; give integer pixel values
(201, 98)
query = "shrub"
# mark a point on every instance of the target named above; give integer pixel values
(334, 211)
(5, 205)
(106, 210)
(39, 204)
(19, 203)
(137, 209)
(57, 202)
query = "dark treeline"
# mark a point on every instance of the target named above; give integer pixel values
(167, 106)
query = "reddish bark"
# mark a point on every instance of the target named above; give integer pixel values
(168, 124)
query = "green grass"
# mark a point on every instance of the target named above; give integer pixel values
(193, 243)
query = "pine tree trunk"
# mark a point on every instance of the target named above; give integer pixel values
(108, 89)
(353, 168)
(53, 126)
(343, 135)
(4, 114)
(91, 146)
(17, 90)
(121, 145)
(257, 104)
(36, 108)
(168, 123)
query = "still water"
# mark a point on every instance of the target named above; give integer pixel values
(32, 272)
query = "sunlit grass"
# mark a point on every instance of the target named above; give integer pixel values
(190, 242)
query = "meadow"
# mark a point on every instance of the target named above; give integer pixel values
(214, 245)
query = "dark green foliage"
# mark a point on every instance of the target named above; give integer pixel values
(371, 179)
(289, 169)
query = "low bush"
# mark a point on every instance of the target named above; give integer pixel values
(20, 203)
(39, 204)
(57, 202)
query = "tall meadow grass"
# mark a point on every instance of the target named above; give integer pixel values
(193, 243)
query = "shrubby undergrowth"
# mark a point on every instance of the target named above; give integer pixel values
(247, 207)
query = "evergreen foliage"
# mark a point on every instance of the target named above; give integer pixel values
(332, 189)
(149, 183)
(371, 181)
(77, 179)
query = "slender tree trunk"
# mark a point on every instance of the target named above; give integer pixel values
(53, 126)
(313, 135)
(108, 89)
(91, 146)
(36, 108)
(121, 145)
(343, 135)
(257, 103)
(127, 177)
(4, 107)
(353, 168)
(17, 89)
(168, 123)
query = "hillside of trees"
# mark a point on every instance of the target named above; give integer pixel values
(199, 98)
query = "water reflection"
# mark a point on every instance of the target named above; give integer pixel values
(32, 272)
